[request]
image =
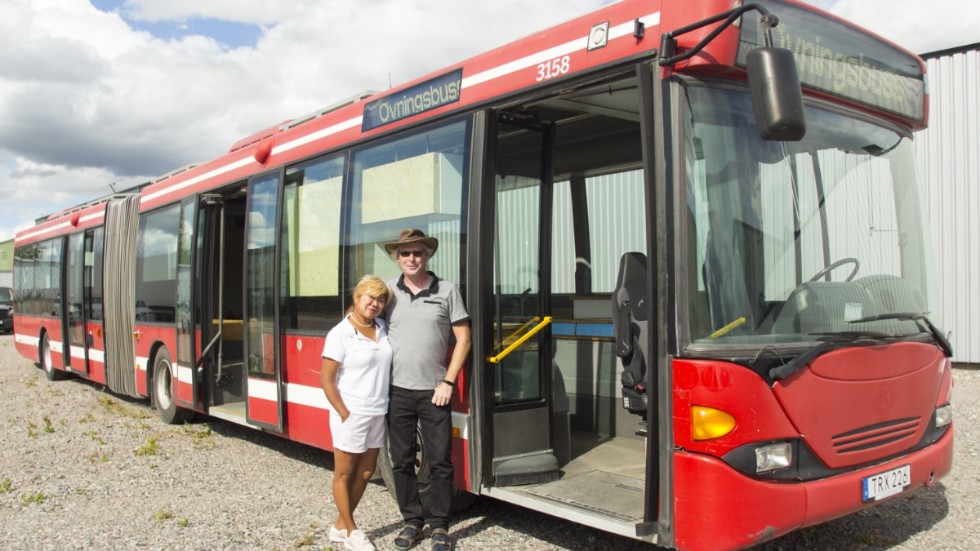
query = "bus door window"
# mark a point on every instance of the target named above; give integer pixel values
(264, 391)
(522, 450)
(75, 284)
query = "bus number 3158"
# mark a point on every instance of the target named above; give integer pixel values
(554, 68)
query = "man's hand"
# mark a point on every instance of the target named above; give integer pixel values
(442, 394)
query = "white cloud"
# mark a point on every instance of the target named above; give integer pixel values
(914, 25)
(259, 12)
(86, 100)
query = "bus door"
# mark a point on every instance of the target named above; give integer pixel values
(568, 205)
(218, 276)
(77, 359)
(518, 370)
(264, 378)
(186, 391)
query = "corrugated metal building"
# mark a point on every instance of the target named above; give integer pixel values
(949, 166)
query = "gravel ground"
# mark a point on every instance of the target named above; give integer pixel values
(81, 468)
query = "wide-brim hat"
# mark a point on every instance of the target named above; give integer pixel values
(413, 236)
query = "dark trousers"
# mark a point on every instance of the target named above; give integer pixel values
(407, 409)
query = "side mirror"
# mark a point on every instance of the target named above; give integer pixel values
(776, 95)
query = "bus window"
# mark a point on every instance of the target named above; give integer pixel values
(310, 245)
(93, 274)
(156, 266)
(418, 181)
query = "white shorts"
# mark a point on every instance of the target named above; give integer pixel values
(358, 433)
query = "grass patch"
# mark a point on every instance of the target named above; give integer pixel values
(96, 457)
(31, 429)
(48, 426)
(202, 438)
(95, 436)
(307, 539)
(6, 486)
(163, 515)
(152, 447)
(36, 499)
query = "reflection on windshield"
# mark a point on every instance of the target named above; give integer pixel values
(793, 241)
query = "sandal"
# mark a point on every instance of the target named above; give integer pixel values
(440, 540)
(409, 535)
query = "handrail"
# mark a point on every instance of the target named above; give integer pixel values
(727, 328)
(544, 323)
(510, 338)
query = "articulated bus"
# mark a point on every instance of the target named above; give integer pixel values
(687, 231)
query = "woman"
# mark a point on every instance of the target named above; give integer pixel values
(355, 377)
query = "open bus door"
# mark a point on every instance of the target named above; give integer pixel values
(186, 392)
(569, 201)
(520, 366)
(77, 359)
(263, 375)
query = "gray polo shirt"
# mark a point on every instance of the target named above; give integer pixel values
(419, 328)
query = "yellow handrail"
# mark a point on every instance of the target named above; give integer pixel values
(727, 328)
(510, 338)
(544, 323)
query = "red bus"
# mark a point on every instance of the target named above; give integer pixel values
(689, 238)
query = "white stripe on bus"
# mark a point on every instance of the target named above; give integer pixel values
(491, 74)
(86, 218)
(555, 52)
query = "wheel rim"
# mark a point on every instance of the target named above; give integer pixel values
(46, 352)
(164, 389)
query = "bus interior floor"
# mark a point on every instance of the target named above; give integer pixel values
(604, 478)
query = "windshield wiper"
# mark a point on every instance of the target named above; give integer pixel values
(828, 342)
(941, 339)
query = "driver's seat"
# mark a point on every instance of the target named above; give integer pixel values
(630, 328)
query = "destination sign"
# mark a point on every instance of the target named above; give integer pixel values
(420, 98)
(839, 59)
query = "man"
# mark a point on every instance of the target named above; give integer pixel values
(423, 311)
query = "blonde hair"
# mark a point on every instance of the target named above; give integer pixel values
(372, 286)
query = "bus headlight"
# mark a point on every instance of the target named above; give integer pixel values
(773, 457)
(708, 423)
(943, 415)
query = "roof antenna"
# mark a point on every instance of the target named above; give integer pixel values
(389, 81)
(112, 186)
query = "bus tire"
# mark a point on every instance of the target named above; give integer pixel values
(46, 364)
(163, 391)
(461, 499)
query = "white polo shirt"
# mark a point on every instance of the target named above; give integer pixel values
(365, 366)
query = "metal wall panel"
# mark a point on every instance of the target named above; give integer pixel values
(949, 168)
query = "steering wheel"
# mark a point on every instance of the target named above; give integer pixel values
(834, 265)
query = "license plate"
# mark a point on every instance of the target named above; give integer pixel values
(886, 484)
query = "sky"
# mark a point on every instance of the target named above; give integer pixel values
(103, 95)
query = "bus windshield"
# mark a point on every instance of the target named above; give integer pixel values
(796, 242)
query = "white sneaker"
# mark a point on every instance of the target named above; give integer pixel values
(358, 541)
(338, 536)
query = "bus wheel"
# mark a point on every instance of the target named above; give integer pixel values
(163, 391)
(461, 499)
(49, 370)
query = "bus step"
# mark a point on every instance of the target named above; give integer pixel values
(641, 429)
